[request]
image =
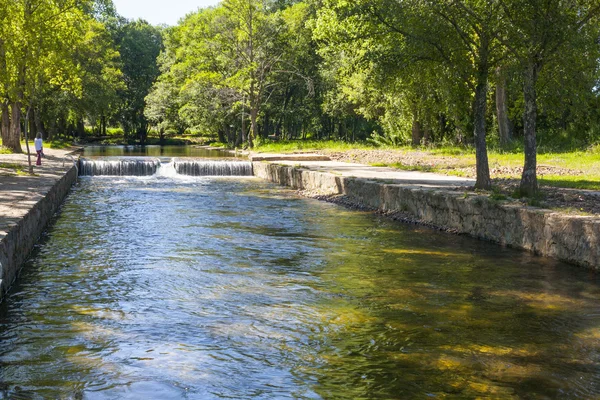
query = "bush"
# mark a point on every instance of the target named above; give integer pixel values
(115, 131)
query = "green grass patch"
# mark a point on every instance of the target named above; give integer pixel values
(308, 145)
(587, 182)
(16, 168)
(58, 144)
(5, 150)
(405, 167)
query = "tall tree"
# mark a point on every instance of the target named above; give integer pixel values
(139, 44)
(458, 35)
(249, 37)
(36, 48)
(537, 32)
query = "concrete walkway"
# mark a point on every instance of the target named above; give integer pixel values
(379, 174)
(19, 192)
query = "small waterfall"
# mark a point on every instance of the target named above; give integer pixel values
(119, 167)
(167, 168)
(213, 168)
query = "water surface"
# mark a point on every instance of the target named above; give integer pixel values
(155, 151)
(154, 288)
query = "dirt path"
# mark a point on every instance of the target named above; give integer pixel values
(19, 191)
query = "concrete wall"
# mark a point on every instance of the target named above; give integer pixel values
(22, 237)
(574, 239)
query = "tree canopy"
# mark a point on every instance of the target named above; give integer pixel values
(492, 73)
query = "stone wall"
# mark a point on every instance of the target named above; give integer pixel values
(19, 241)
(573, 239)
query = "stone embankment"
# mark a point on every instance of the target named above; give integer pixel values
(27, 204)
(433, 200)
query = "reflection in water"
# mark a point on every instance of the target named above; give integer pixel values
(155, 151)
(234, 288)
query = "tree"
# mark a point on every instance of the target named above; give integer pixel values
(139, 44)
(539, 30)
(458, 36)
(35, 49)
(249, 39)
(101, 78)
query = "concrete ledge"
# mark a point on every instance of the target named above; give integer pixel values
(22, 234)
(573, 239)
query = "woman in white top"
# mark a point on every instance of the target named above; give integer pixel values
(39, 148)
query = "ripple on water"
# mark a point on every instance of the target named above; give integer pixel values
(234, 288)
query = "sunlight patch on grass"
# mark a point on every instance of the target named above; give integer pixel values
(309, 145)
(14, 168)
(58, 144)
(587, 182)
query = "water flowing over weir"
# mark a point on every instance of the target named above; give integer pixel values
(119, 167)
(213, 168)
(154, 166)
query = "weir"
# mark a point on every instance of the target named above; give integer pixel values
(213, 168)
(118, 167)
(164, 167)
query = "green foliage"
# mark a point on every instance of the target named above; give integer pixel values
(139, 44)
(380, 72)
(115, 131)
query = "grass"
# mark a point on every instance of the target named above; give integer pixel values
(308, 145)
(577, 169)
(17, 168)
(587, 182)
(408, 167)
(580, 169)
(58, 144)
(53, 144)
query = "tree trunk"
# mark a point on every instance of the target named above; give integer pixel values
(28, 129)
(242, 138)
(80, 128)
(443, 126)
(417, 134)
(39, 124)
(103, 125)
(529, 184)
(253, 127)
(504, 127)
(483, 180)
(14, 138)
(427, 135)
(33, 130)
(5, 123)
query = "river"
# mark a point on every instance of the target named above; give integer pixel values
(220, 288)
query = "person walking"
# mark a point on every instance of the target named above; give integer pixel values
(39, 148)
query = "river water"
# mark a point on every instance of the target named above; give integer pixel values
(196, 288)
(156, 151)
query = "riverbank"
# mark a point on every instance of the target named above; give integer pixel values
(27, 204)
(569, 181)
(446, 203)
